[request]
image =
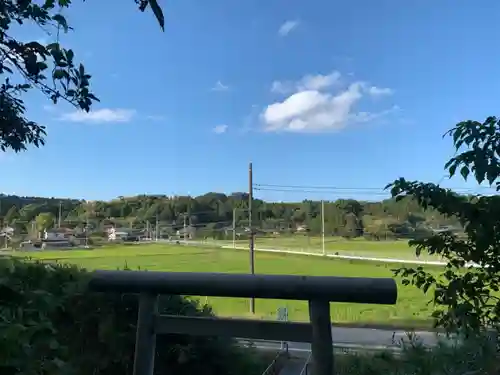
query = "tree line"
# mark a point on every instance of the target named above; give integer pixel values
(344, 217)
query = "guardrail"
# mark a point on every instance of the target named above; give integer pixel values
(276, 365)
(305, 369)
(319, 291)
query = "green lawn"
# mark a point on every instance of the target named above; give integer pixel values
(410, 308)
(396, 249)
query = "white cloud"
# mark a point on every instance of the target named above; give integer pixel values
(281, 87)
(308, 82)
(100, 116)
(318, 81)
(317, 105)
(380, 91)
(219, 129)
(287, 27)
(219, 86)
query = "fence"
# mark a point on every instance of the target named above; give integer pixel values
(319, 291)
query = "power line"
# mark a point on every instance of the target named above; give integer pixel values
(369, 192)
(360, 190)
(315, 187)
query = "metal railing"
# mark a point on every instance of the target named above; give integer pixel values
(305, 369)
(273, 368)
(319, 291)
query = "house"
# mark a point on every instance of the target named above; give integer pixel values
(302, 228)
(7, 232)
(186, 233)
(57, 238)
(58, 234)
(123, 234)
(118, 234)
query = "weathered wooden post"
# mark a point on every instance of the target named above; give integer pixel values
(145, 338)
(321, 345)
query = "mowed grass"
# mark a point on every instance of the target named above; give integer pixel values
(410, 309)
(395, 249)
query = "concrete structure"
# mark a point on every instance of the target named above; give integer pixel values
(319, 291)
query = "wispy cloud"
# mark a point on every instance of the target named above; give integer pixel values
(104, 115)
(287, 27)
(380, 91)
(308, 82)
(220, 129)
(219, 86)
(320, 103)
(50, 108)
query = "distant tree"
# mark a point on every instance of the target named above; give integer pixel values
(44, 221)
(50, 69)
(353, 227)
(415, 219)
(351, 206)
(466, 297)
(11, 215)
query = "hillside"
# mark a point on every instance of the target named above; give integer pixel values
(349, 218)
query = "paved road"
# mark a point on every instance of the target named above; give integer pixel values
(373, 337)
(357, 339)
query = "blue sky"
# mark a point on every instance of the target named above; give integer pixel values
(319, 93)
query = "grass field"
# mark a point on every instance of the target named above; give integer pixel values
(395, 249)
(411, 307)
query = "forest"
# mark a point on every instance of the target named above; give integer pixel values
(344, 217)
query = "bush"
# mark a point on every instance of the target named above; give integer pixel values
(474, 356)
(51, 324)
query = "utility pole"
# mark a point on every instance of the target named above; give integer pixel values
(251, 238)
(59, 215)
(234, 228)
(157, 228)
(185, 228)
(87, 230)
(323, 226)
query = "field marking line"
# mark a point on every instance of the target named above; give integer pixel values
(351, 257)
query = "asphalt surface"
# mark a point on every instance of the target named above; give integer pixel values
(358, 339)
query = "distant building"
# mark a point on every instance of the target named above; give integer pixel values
(123, 234)
(7, 232)
(58, 234)
(302, 228)
(57, 238)
(186, 233)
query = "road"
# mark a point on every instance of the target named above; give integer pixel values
(357, 339)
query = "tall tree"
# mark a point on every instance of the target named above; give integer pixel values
(44, 221)
(11, 215)
(466, 293)
(49, 68)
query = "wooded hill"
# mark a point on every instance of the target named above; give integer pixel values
(344, 217)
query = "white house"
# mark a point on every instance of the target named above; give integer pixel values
(7, 232)
(115, 234)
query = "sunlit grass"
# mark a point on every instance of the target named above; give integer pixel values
(411, 305)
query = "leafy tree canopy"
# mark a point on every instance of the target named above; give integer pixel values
(466, 292)
(51, 69)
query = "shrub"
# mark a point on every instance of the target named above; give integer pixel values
(51, 324)
(474, 356)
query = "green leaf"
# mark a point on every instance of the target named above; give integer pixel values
(158, 13)
(464, 171)
(452, 170)
(59, 18)
(59, 74)
(70, 55)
